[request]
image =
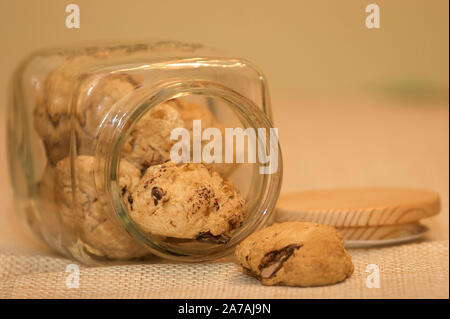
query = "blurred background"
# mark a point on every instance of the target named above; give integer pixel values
(354, 106)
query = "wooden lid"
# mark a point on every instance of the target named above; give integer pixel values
(353, 207)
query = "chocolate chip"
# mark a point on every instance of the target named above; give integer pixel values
(157, 194)
(210, 238)
(216, 205)
(124, 190)
(130, 200)
(273, 260)
(204, 193)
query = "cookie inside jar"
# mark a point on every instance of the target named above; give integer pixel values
(196, 181)
(126, 153)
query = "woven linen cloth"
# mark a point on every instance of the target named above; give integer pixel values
(416, 270)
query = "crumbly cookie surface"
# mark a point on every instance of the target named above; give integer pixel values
(295, 254)
(52, 115)
(90, 218)
(149, 142)
(189, 201)
(190, 111)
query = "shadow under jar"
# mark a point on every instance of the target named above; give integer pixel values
(120, 152)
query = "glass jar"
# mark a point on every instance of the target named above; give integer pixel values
(100, 167)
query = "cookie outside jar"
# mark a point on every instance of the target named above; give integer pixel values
(89, 145)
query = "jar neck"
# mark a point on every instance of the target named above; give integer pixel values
(116, 128)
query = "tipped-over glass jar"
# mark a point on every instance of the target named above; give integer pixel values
(121, 152)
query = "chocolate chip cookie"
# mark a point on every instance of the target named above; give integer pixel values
(149, 141)
(295, 254)
(52, 116)
(102, 235)
(190, 201)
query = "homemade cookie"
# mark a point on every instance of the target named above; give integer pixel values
(149, 142)
(189, 201)
(52, 116)
(190, 111)
(96, 228)
(295, 254)
(98, 101)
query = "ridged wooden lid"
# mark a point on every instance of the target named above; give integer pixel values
(352, 207)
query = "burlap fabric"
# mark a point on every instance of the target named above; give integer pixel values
(418, 270)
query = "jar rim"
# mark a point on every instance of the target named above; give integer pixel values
(111, 141)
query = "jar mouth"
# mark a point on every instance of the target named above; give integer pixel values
(112, 137)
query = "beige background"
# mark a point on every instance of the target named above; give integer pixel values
(354, 106)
